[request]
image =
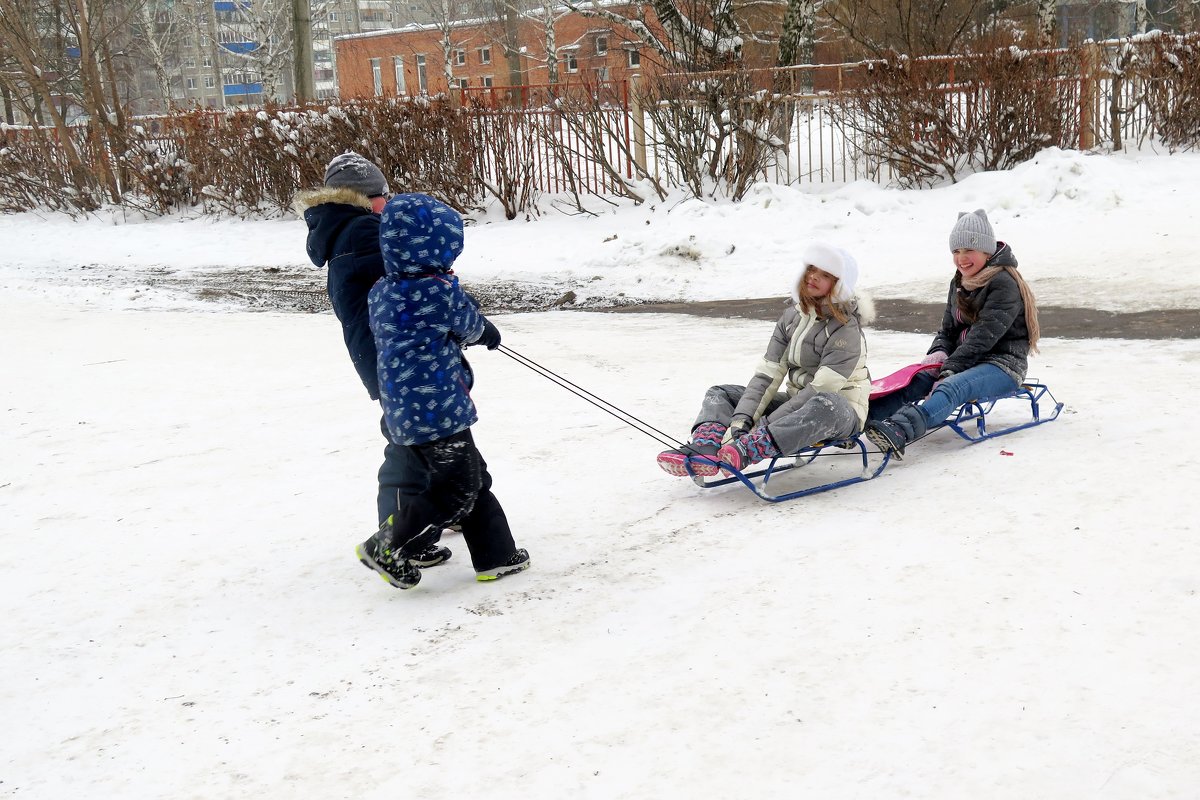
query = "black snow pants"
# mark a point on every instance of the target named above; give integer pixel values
(402, 474)
(459, 490)
(918, 389)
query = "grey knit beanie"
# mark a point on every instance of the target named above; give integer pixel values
(972, 231)
(352, 171)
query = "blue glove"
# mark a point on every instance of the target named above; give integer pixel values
(490, 338)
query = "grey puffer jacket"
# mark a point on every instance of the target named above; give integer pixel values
(813, 354)
(992, 328)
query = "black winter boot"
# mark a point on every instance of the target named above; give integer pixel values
(398, 564)
(515, 563)
(888, 437)
(892, 434)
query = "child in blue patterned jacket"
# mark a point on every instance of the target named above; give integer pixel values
(421, 319)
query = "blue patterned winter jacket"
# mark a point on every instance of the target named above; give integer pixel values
(421, 317)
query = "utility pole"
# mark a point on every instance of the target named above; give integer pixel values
(302, 61)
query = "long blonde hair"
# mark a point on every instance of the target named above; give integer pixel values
(821, 306)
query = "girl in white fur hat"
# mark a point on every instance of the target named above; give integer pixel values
(818, 349)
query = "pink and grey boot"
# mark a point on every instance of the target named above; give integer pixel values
(744, 451)
(700, 453)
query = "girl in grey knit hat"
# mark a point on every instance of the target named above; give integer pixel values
(989, 328)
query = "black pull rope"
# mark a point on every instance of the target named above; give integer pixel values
(608, 408)
(598, 402)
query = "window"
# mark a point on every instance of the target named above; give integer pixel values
(207, 61)
(398, 66)
(601, 45)
(333, 16)
(422, 75)
(460, 57)
(210, 82)
(485, 55)
(462, 82)
(635, 58)
(235, 78)
(486, 81)
(191, 83)
(377, 76)
(572, 63)
(189, 63)
(601, 73)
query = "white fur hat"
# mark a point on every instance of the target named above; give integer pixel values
(836, 262)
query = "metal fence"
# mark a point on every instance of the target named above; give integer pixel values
(591, 138)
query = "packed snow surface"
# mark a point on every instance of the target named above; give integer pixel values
(181, 493)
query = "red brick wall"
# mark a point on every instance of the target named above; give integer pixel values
(574, 34)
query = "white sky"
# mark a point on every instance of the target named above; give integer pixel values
(181, 492)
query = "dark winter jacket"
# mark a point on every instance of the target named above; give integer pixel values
(343, 233)
(420, 317)
(992, 330)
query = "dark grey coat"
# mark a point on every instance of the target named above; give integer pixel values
(988, 327)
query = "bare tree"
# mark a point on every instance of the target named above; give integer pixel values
(912, 27)
(267, 46)
(1046, 21)
(256, 36)
(157, 43)
(796, 38)
(59, 60)
(685, 35)
(508, 14)
(448, 16)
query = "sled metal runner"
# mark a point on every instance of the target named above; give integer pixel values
(976, 411)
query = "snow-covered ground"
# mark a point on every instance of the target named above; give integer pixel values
(180, 494)
(1113, 232)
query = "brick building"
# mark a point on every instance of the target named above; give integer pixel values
(411, 61)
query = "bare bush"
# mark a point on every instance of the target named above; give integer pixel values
(595, 128)
(36, 172)
(1166, 73)
(934, 119)
(712, 131)
(250, 162)
(504, 157)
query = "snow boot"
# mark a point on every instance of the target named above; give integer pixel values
(888, 437)
(700, 453)
(748, 449)
(897, 431)
(515, 563)
(399, 565)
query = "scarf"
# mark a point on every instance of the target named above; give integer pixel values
(984, 277)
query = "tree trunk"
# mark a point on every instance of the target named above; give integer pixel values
(157, 57)
(8, 112)
(302, 40)
(1047, 18)
(512, 43)
(90, 54)
(551, 43)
